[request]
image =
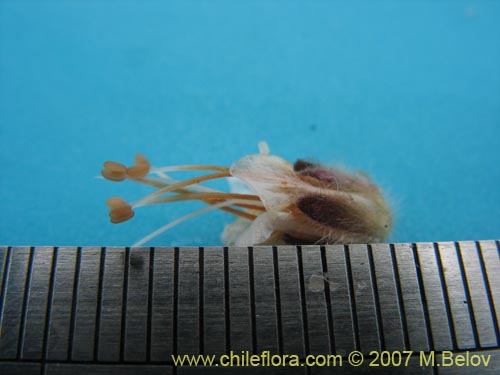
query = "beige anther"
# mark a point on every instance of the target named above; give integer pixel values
(140, 169)
(119, 210)
(114, 171)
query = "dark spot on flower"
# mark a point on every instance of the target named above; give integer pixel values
(328, 211)
(301, 164)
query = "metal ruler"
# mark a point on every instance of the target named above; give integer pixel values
(82, 310)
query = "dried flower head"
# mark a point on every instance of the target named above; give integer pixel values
(300, 203)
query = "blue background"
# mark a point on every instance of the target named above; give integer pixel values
(407, 91)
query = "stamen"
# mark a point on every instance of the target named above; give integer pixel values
(182, 184)
(189, 168)
(188, 190)
(165, 180)
(114, 171)
(251, 207)
(119, 210)
(195, 191)
(184, 218)
(185, 197)
(154, 182)
(201, 196)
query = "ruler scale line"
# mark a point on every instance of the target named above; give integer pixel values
(227, 305)
(86, 306)
(214, 330)
(387, 297)
(149, 323)
(365, 299)
(251, 292)
(460, 312)
(123, 331)
(201, 277)
(352, 298)
(290, 301)
(326, 282)
(378, 310)
(264, 291)
(303, 302)
(414, 311)
(239, 300)
(188, 319)
(24, 311)
(276, 279)
(490, 255)
(5, 276)
(399, 292)
(136, 306)
(74, 302)
(175, 324)
(423, 297)
(102, 260)
(479, 307)
(467, 291)
(488, 292)
(63, 291)
(315, 281)
(48, 311)
(446, 297)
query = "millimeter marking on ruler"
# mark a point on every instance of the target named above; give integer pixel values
(149, 303)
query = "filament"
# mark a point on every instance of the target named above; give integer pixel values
(239, 213)
(189, 168)
(186, 190)
(184, 218)
(212, 198)
(178, 185)
(203, 197)
(195, 192)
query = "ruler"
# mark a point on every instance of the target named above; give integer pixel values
(106, 310)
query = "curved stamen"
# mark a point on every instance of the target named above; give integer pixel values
(200, 167)
(188, 182)
(199, 196)
(172, 224)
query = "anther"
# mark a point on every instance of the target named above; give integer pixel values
(114, 171)
(119, 210)
(140, 169)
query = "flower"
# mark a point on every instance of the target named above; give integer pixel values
(300, 203)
